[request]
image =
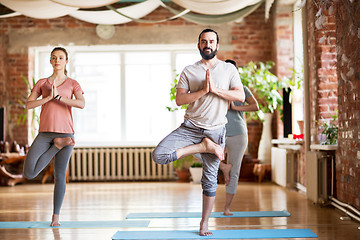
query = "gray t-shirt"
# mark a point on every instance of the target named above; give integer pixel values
(236, 122)
(209, 111)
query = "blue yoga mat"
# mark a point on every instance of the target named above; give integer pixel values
(217, 234)
(78, 224)
(282, 213)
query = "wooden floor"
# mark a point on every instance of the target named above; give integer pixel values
(113, 201)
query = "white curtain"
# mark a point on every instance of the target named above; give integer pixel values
(198, 11)
(14, 14)
(218, 19)
(215, 7)
(110, 17)
(43, 9)
(85, 3)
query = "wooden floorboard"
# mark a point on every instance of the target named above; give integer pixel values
(113, 201)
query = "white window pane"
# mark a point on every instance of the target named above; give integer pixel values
(125, 101)
(147, 95)
(99, 76)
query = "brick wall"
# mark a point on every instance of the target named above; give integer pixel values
(322, 64)
(3, 69)
(348, 71)
(334, 40)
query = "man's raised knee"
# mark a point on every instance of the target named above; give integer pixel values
(163, 158)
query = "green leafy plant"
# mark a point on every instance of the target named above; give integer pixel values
(183, 163)
(23, 116)
(196, 164)
(264, 85)
(294, 82)
(329, 130)
(173, 95)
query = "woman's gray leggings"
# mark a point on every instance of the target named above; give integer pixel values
(39, 156)
(236, 146)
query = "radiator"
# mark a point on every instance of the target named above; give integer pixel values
(116, 163)
(318, 176)
(283, 165)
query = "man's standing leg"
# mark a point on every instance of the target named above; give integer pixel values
(208, 203)
(211, 164)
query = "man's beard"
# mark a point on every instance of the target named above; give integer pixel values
(207, 56)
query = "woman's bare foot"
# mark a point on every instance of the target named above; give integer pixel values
(204, 230)
(55, 220)
(225, 168)
(227, 212)
(62, 142)
(214, 148)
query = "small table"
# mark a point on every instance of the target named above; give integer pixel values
(8, 160)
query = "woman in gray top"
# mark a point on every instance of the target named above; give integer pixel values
(236, 141)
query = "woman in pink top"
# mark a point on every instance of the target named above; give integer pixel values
(56, 132)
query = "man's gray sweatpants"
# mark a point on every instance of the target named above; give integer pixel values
(188, 134)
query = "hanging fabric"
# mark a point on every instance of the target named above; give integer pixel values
(134, 11)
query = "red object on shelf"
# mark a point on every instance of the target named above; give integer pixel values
(298, 136)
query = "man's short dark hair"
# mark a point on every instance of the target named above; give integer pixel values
(209, 30)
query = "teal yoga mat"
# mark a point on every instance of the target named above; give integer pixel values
(79, 224)
(282, 213)
(217, 234)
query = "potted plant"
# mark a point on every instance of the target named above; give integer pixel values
(23, 116)
(182, 167)
(196, 171)
(329, 131)
(265, 86)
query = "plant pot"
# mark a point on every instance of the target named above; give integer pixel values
(196, 174)
(264, 152)
(183, 175)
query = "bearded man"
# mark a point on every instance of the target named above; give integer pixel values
(207, 86)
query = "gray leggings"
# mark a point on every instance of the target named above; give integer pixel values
(39, 156)
(188, 134)
(236, 146)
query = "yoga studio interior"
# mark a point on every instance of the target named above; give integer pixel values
(300, 174)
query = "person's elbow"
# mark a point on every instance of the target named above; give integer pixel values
(179, 99)
(28, 106)
(179, 102)
(241, 95)
(82, 105)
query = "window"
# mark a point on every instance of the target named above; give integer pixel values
(298, 99)
(126, 89)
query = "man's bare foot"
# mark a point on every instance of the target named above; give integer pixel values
(225, 168)
(62, 142)
(204, 230)
(227, 212)
(55, 220)
(214, 148)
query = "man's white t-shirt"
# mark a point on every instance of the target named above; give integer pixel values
(209, 111)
